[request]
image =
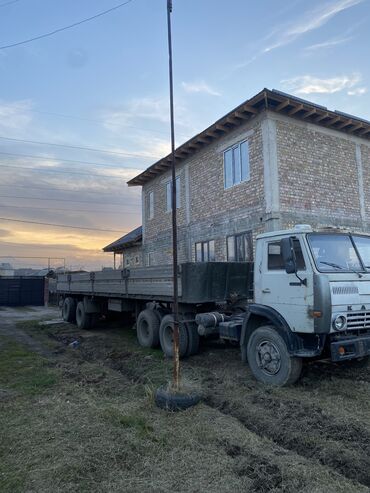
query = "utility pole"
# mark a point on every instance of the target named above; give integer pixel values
(176, 357)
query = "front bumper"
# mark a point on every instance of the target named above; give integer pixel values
(350, 348)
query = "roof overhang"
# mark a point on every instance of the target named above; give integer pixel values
(275, 101)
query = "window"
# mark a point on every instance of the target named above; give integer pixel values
(205, 251)
(236, 164)
(136, 259)
(239, 247)
(149, 259)
(169, 194)
(150, 205)
(127, 261)
(275, 260)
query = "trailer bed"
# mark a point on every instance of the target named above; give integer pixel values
(200, 282)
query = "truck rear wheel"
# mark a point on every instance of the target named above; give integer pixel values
(193, 336)
(69, 310)
(269, 358)
(166, 337)
(147, 329)
(83, 319)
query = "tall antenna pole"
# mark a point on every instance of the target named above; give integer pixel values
(176, 357)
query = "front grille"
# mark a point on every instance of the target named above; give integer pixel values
(358, 320)
(345, 289)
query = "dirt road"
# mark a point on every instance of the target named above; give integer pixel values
(96, 427)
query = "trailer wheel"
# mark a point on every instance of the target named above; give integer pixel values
(166, 337)
(69, 310)
(193, 336)
(147, 330)
(269, 358)
(83, 319)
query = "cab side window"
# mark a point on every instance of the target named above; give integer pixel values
(275, 260)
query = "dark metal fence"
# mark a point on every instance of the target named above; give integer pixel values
(22, 291)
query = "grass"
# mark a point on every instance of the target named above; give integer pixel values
(24, 371)
(84, 420)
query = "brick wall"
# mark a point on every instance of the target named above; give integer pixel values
(324, 176)
(208, 211)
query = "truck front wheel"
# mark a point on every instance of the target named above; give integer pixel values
(269, 358)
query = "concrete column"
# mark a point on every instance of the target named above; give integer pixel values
(361, 193)
(271, 175)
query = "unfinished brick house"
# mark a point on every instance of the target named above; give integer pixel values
(272, 162)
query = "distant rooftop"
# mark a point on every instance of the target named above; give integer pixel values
(132, 238)
(276, 101)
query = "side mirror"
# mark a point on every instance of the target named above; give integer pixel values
(288, 254)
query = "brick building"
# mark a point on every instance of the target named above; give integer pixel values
(270, 163)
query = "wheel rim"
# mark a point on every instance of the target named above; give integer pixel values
(144, 329)
(168, 335)
(268, 357)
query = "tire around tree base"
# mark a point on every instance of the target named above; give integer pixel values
(265, 342)
(171, 401)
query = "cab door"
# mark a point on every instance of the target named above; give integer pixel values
(285, 292)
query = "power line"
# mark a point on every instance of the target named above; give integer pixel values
(46, 170)
(69, 146)
(51, 33)
(62, 225)
(100, 121)
(48, 189)
(45, 158)
(121, 213)
(60, 200)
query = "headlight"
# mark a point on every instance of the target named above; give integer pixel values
(339, 322)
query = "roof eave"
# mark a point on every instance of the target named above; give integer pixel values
(276, 101)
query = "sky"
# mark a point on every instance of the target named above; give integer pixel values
(92, 101)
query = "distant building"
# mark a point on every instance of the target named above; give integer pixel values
(129, 248)
(6, 270)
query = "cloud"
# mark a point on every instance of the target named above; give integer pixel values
(311, 20)
(199, 87)
(359, 91)
(15, 115)
(330, 43)
(307, 84)
(289, 32)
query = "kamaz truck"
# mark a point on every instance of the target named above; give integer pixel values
(306, 296)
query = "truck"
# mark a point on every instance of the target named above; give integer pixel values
(305, 297)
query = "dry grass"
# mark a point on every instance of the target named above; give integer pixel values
(88, 423)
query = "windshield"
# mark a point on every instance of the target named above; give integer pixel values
(363, 247)
(335, 253)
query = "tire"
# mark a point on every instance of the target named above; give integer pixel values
(166, 337)
(69, 310)
(266, 345)
(83, 319)
(193, 336)
(356, 363)
(147, 329)
(165, 399)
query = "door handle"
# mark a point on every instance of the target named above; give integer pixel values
(266, 290)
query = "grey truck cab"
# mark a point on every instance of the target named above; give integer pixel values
(311, 300)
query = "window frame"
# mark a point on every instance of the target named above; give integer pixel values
(202, 245)
(247, 236)
(150, 205)
(169, 194)
(240, 164)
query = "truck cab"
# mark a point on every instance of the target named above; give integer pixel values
(311, 300)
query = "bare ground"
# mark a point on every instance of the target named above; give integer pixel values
(83, 419)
